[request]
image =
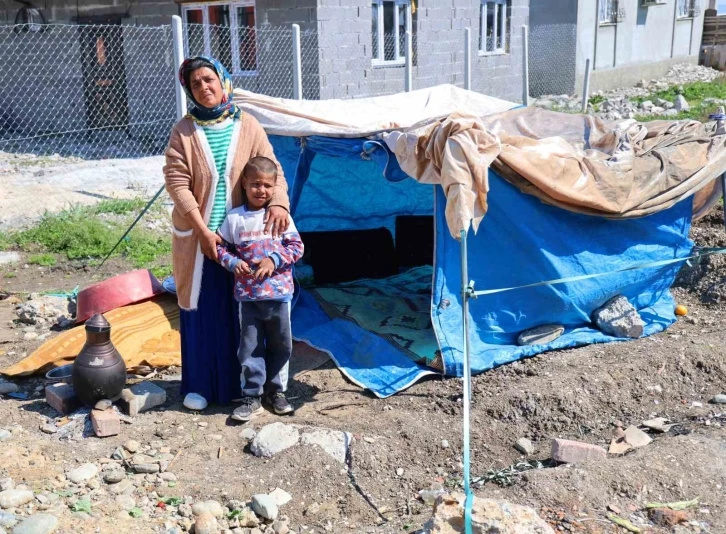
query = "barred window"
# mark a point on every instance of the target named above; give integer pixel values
(390, 19)
(688, 9)
(494, 23)
(611, 12)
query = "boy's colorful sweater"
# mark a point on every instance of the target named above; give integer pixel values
(244, 238)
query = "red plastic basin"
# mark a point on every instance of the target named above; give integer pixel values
(121, 290)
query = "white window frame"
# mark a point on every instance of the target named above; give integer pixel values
(500, 20)
(610, 12)
(233, 27)
(687, 9)
(399, 55)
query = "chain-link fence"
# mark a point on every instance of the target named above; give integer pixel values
(552, 59)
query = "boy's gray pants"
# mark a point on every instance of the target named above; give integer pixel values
(265, 346)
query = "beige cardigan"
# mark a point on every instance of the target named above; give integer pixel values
(191, 180)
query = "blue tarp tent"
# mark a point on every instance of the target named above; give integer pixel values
(347, 183)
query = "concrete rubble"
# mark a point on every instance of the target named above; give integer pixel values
(619, 318)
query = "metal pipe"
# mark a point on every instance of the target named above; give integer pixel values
(409, 63)
(723, 197)
(467, 59)
(178, 43)
(525, 66)
(586, 87)
(467, 378)
(296, 63)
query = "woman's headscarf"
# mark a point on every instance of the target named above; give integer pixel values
(227, 108)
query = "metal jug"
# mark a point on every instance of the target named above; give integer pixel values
(99, 372)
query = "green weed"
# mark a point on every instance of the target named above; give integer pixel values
(120, 206)
(44, 260)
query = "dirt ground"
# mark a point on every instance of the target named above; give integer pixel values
(576, 394)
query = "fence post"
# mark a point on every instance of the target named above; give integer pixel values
(408, 86)
(467, 59)
(296, 63)
(525, 66)
(178, 43)
(586, 87)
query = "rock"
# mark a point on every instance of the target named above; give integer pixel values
(665, 517)
(9, 257)
(208, 507)
(247, 518)
(132, 446)
(619, 446)
(264, 506)
(681, 104)
(636, 437)
(103, 405)
(105, 423)
(488, 515)
(49, 428)
(333, 442)
(647, 105)
(125, 502)
(93, 484)
(62, 397)
(280, 528)
(167, 477)
(248, 434)
(540, 335)
(30, 336)
(83, 473)
(281, 497)
(524, 446)
(574, 452)
(5, 434)
(6, 484)
(274, 438)
(618, 318)
(670, 113)
(141, 397)
(8, 387)
(146, 468)
(37, 524)
(659, 424)
(399, 472)
(661, 103)
(206, 523)
(13, 498)
(429, 496)
(668, 105)
(195, 402)
(125, 487)
(719, 399)
(444, 444)
(8, 520)
(114, 476)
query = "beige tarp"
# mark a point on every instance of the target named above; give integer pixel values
(450, 137)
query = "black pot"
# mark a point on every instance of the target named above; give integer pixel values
(99, 372)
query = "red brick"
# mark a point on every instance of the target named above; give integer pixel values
(62, 397)
(575, 452)
(105, 423)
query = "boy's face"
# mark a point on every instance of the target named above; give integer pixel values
(258, 188)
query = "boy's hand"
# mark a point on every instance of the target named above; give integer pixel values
(264, 268)
(242, 268)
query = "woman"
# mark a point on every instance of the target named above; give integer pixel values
(207, 151)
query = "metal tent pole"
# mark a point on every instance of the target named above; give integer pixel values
(465, 294)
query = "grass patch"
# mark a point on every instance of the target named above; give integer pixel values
(4, 241)
(119, 206)
(44, 260)
(10, 275)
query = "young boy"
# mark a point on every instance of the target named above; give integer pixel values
(263, 286)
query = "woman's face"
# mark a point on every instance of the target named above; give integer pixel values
(206, 87)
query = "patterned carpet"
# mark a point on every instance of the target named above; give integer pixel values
(397, 309)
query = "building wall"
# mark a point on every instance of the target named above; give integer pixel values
(142, 12)
(644, 45)
(346, 71)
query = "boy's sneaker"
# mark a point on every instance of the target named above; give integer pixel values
(251, 406)
(279, 403)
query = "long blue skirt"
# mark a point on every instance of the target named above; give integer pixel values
(210, 338)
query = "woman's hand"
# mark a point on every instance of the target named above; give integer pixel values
(276, 221)
(208, 241)
(263, 268)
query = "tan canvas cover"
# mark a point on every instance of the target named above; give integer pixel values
(451, 137)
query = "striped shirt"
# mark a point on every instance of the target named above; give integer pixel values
(219, 137)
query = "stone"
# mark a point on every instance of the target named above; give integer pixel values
(146, 468)
(524, 446)
(7, 258)
(195, 402)
(103, 405)
(15, 498)
(167, 477)
(719, 399)
(105, 423)
(274, 438)
(248, 434)
(333, 442)
(132, 446)
(281, 497)
(8, 387)
(83, 473)
(619, 446)
(30, 336)
(670, 113)
(661, 103)
(141, 397)
(125, 487)
(264, 506)
(488, 515)
(114, 476)
(541, 335)
(37, 524)
(659, 424)
(681, 104)
(636, 437)
(208, 507)
(62, 397)
(575, 452)
(399, 472)
(618, 318)
(647, 105)
(93, 484)
(5, 434)
(8, 520)
(49, 428)
(125, 502)
(206, 523)
(280, 528)
(7, 484)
